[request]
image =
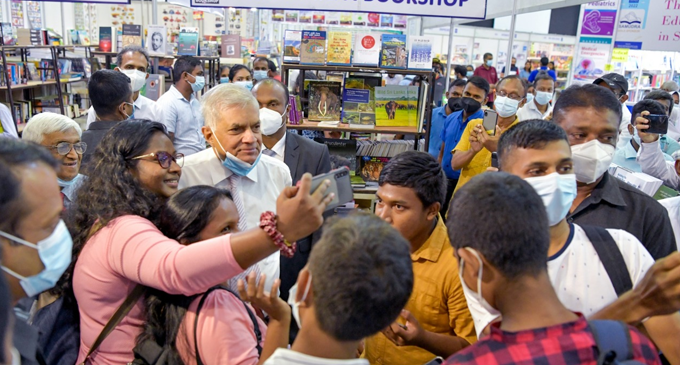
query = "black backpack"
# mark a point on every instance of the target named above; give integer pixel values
(613, 343)
(149, 352)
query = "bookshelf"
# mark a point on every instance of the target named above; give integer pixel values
(426, 75)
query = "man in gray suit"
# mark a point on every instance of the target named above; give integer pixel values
(302, 155)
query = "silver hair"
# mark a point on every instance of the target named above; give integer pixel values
(45, 123)
(670, 86)
(134, 49)
(223, 97)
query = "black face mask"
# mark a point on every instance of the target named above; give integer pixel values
(470, 105)
(455, 104)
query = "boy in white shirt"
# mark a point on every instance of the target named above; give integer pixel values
(356, 283)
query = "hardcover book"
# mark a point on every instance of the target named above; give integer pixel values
(313, 47)
(106, 39)
(366, 49)
(156, 40)
(343, 152)
(132, 35)
(339, 48)
(324, 100)
(187, 44)
(231, 46)
(391, 106)
(358, 102)
(420, 53)
(292, 40)
(393, 53)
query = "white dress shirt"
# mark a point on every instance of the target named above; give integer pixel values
(530, 111)
(624, 135)
(673, 127)
(279, 148)
(673, 207)
(289, 357)
(145, 108)
(259, 191)
(183, 118)
(7, 122)
(650, 157)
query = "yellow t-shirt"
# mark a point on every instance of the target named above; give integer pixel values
(437, 302)
(482, 159)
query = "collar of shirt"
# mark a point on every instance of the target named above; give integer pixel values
(441, 111)
(218, 172)
(608, 191)
(536, 334)
(629, 152)
(280, 147)
(432, 248)
(178, 95)
(532, 105)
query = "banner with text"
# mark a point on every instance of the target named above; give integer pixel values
(650, 27)
(468, 9)
(598, 22)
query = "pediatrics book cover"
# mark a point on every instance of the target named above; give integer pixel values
(393, 53)
(313, 48)
(420, 54)
(339, 48)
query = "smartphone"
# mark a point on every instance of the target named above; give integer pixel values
(494, 159)
(435, 361)
(489, 122)
(340, 185)
(658, 123)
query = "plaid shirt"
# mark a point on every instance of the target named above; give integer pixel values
(563, 344)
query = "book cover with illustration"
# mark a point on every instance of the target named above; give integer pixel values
(106, 36)
(366, 49)
(393, 52)
(343, 152)
(313, 47)
(83, 38)
(324, 101)
(391, 106)
(187, 44)
(231, 46)
(339, 48)
(132, 35)
(370, 167)
(358, 102)
(420, 53)
(412, 93)
(292, 40)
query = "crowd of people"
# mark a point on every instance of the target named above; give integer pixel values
(186, 231)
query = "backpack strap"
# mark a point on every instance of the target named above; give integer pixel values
(256, 326)
(118, 316)
(613, 342)
(611, 258)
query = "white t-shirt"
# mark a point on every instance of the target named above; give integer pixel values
(578, 276)
(673, 207)
(393, 80)
(289, 357)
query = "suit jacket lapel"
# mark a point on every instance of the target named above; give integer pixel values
(291, 154)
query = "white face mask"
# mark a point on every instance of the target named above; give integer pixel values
(270, 121)
(482, 312)
(505, 106)
(591, 160)
(295, 305)
(558, 193)
(137, 79)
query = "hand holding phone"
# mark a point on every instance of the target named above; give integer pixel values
(341, 185)
(644, 128)
(490, 121)
(658, 123)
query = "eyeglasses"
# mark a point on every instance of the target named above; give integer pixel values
(164, 158)
(63, 148)
(512, 96)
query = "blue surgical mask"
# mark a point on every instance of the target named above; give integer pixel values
(505, 107)
(224, 80)
(131, 116)
(295, 305)
(55, 254)
(530, 98)
(543, 97)
(233, 163)
(489, 63)
(199, 84)
(558, 193)
(470, 73)
(247, 84)
(260, 75)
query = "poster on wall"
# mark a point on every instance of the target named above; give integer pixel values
(345, 18)
(17, 14)
(156, 40)
(373, 19)
(319, 18)
(291, 16)
(400, 21)
(598, 22)
(278, 15)
(306, 17)
(646, 27)
(592, 55)
(359, 19)
(34, 14)
(386, 21)
(333, 18)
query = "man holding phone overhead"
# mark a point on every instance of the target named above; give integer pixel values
(651, 157)
(472, 155)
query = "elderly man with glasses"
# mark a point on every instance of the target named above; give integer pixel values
(61, 136)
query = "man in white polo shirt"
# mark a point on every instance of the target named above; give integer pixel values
(542, 105)
(235, 161)
(133, 61)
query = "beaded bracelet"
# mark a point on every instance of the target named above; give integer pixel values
(268, 224)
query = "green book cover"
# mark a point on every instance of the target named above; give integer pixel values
(412, 92)
(665, 192)
(391, 106)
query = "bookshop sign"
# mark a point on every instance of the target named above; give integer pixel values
(469, 9)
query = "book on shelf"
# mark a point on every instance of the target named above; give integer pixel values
(107, 39)
(132, 35)
(339, 48)
(156, 40)
(393, 52)
(412, 95)
(358, 103)
(32, 68)
(324, 100)
(73, 37)
(23, 37)
(391, 106)
(366, 49)
(343, 152)
(231, 46)
(422, 105)
(187, 43)
(7, 34)
(420, 53)
(370, 167)
(155, 86)
(292, 40)
(313, 47)
(84, 38)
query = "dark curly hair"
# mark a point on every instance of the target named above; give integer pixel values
(111, 189)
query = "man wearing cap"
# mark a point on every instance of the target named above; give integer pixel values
(619, 86)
